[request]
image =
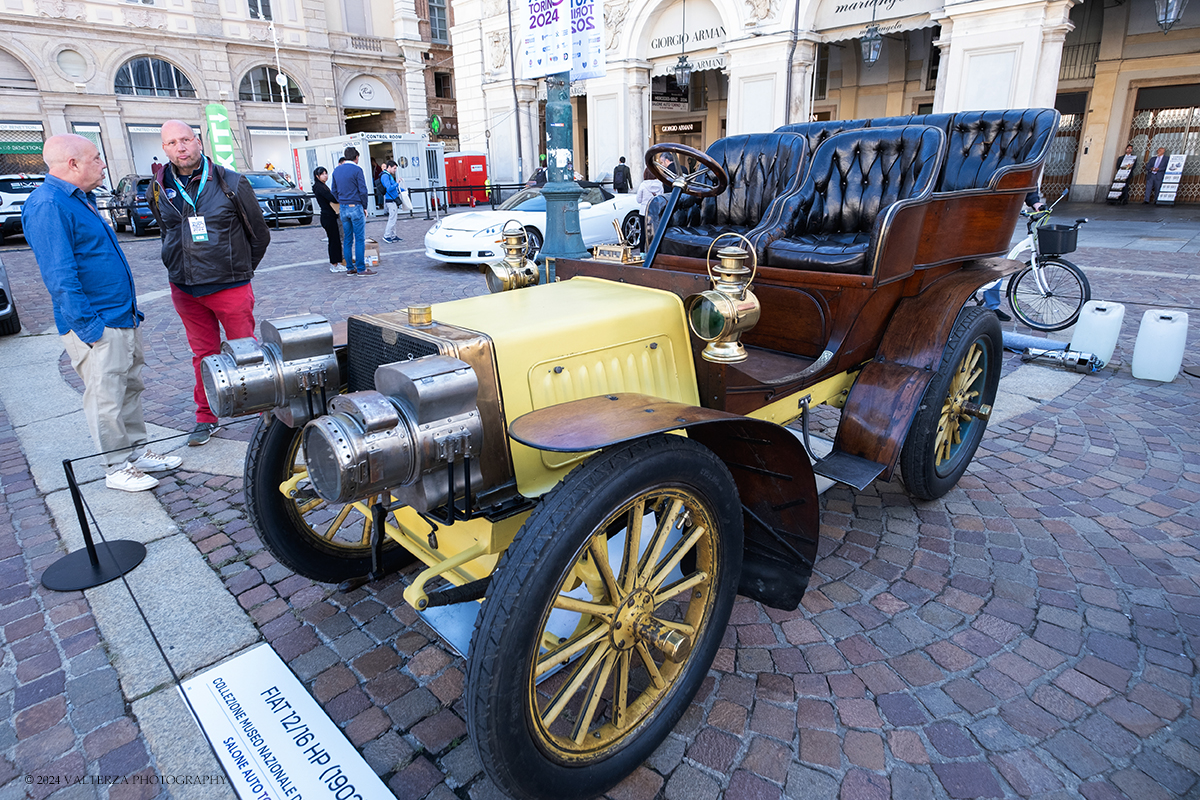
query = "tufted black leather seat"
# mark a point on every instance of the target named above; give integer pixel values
(856, 180)
(765, 169)
(981, 143)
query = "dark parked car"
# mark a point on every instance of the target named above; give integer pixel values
(128, 205)
(9, 322)
(279, 199)
(13, 191)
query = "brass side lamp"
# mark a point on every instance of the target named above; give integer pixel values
(515, 271)
(722, 314)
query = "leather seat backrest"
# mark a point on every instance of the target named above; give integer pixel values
(761, 167)
(943, 121)
(982, 142)
(815, 133)
(856, 174)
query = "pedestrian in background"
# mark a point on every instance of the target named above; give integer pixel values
(213, 238)
(391, 199)
(95, 308)
(329, 218)
(648, 189)
(350, 189)
(622, 180)
(1156, 168)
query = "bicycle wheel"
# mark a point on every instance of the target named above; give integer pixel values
(1067, 289)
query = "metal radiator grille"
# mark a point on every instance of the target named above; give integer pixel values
(369, 348)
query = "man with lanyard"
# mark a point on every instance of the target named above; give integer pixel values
(213, 238)
(95, 307)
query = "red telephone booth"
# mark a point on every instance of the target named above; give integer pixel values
(466, 169)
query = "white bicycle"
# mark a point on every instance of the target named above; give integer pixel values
(1050, 292)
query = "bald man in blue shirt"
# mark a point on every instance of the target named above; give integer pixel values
(95, 307)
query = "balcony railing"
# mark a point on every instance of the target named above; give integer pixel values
(1079, 62)
(356, 43)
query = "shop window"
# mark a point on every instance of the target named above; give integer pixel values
(260, 9)
(152, 77)
(935, 60)
(821, 77)
(259, 85)
(443, 84)
(439, 31)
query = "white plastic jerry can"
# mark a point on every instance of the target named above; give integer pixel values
(1098, 327)
(1158, 353)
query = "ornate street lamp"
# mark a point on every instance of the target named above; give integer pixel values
(871, 42)
(1169, 12)
(683, 70)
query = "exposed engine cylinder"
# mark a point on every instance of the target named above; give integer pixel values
(400, 438)
(294, 360)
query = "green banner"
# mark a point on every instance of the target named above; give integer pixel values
(220, 135)
(24, 148)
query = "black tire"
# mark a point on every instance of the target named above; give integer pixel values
(286, 524)
(632, 229)
(306, 220)
(11, 325)
(1068, 291)
(932, 461)
(527, 748)
(120, 226)
(533, 243)
(139, 229)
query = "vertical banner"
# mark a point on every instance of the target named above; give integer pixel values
(546, 38)
(220, 135)
(587, 40)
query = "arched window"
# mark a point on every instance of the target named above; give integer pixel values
(153, 77)
(260, 84)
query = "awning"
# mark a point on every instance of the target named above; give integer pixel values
(704, 60)
(839, 20)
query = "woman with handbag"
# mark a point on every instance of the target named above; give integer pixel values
(329, 218)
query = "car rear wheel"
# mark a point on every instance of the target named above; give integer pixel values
(10, 325)
(603, 618)
(953, 414)
(631, 228)
(120, 226)
(139, 229)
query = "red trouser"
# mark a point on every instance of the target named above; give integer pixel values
(203, 318)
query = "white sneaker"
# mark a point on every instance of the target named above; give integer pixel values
(336, 268)
(130, 479)
(150, 461)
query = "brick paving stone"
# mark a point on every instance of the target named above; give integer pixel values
(642, 784)
(820, 747)
(1132, 717)
(967, 780)
(715, 749)
(1082, 687)
(437, 732)
(864, 749)
(1027, 774)
(748, 786)
(861, 785)
(767, 758)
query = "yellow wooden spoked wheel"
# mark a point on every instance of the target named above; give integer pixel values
(966, 387)
(603, 617)
(950, 421)
(326, 542)
(622, 623)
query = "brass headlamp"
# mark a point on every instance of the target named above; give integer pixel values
(515, 271)
(722, 314)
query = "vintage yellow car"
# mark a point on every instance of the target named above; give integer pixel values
(591, 467)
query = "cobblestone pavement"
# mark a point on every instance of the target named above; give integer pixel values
(1032, 634)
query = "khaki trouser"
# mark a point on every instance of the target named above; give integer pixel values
(111, 370)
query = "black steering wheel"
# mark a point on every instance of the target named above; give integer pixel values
(690, 184)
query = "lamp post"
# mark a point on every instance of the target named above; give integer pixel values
(563, 236)
(1168, 12)
(281, 81)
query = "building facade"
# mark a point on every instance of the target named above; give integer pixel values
(114, 70)
(1108, 67)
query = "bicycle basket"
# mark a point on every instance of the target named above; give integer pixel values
(1054, 240)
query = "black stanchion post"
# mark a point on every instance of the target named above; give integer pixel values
(95, 564)
(427, 203)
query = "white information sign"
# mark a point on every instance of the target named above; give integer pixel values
(1122, 177)
(1171, 178)
(272, 738)
(562, 36)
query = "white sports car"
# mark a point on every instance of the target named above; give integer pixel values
(474, 237)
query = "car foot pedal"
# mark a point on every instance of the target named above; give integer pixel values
(854, 471)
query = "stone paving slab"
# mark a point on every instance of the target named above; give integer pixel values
(1032, 634)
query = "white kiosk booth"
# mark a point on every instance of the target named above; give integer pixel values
(420, 161)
